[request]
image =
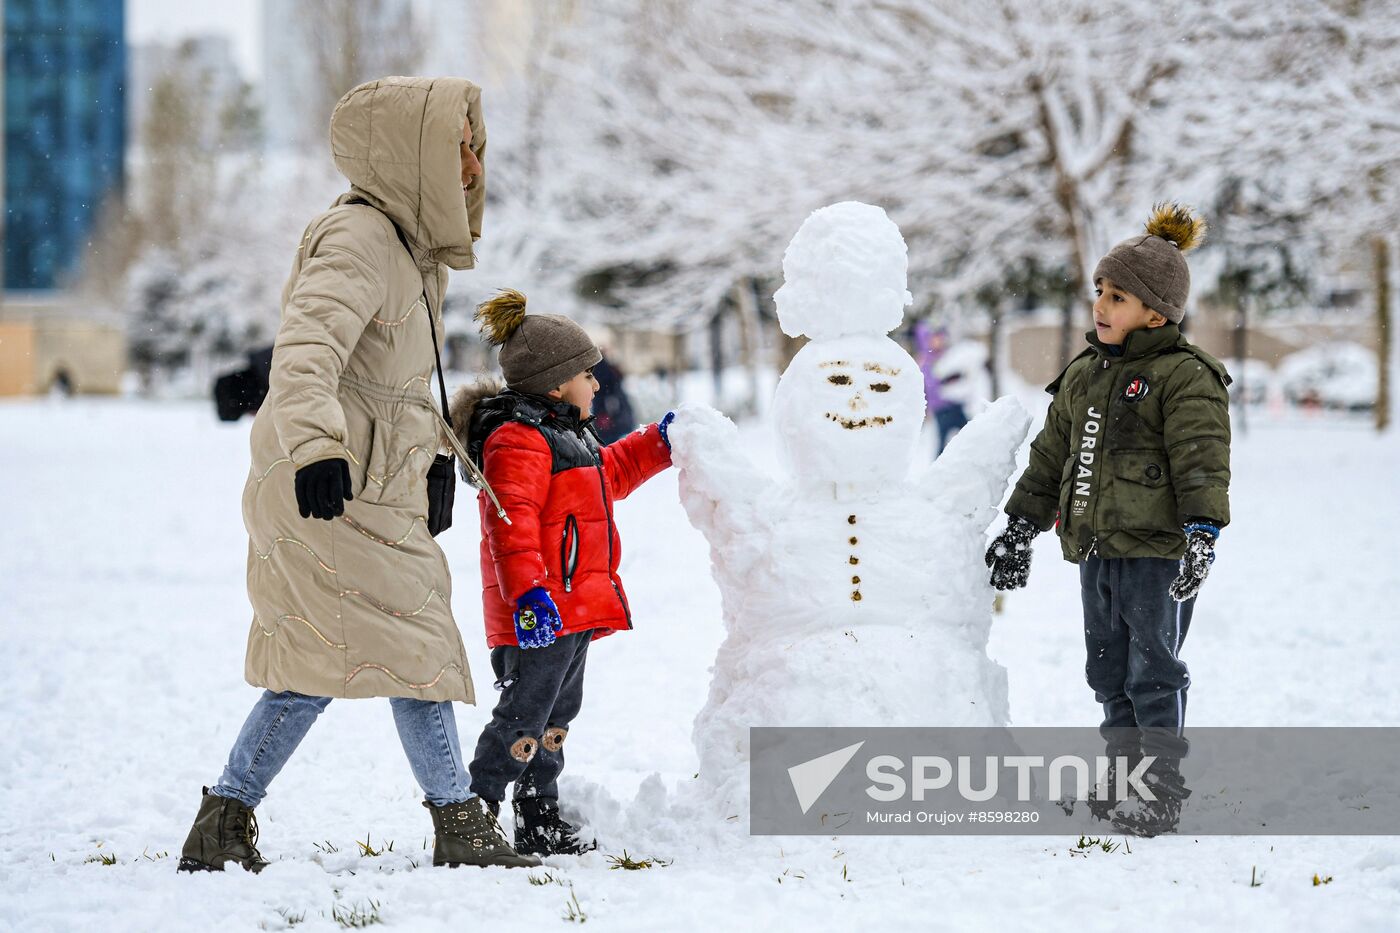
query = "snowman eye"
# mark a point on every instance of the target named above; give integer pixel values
(880, 386)
(839, 380)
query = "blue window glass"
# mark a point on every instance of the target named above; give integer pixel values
(65, 131)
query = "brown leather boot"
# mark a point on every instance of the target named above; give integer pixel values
(224, 831)
(467, 834)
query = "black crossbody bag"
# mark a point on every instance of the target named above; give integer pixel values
(442, 475)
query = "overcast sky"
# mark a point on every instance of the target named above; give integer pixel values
(174, 19)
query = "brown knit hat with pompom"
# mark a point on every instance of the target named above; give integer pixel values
(539, 352)
(1152, 266)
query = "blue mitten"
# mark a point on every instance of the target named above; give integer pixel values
(663, 424)
(536, 619)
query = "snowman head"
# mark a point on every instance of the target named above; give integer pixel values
(851, 403)
(845, 272)
(849, 411)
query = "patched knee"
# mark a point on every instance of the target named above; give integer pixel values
(554, 738)
(524, 748)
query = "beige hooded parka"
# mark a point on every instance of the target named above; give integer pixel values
(361, 606)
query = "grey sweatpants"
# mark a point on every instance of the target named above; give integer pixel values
(1133, 632)
(541, 693)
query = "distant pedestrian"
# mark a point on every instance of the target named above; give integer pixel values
(612, 409)
(949, 413)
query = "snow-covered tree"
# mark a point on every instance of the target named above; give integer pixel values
(1011, 142)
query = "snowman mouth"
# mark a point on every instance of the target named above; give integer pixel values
(855, 424)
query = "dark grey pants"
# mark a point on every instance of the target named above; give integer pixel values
(541, 693)
(1133, 631)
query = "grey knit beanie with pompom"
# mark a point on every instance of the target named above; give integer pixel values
(1152, 266)
(539, 352)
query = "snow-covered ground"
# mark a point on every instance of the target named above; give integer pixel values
(123, 623)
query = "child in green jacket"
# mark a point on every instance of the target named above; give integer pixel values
(1133, 465)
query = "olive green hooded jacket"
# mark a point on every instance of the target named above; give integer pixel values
(361, 606)
(1133, 447)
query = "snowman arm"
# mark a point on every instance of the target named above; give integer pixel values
(1037, 493)
(970, 476)
(718, 481)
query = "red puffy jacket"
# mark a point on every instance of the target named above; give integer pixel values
(557, 486)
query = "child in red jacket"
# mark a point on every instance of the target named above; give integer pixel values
(549, 566)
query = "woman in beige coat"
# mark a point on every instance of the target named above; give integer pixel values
(350, 593)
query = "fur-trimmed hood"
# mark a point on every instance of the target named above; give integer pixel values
(484, 406)
(464, 402)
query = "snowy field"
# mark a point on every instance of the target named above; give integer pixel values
(124, 619)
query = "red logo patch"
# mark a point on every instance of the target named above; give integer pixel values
(1137, 389)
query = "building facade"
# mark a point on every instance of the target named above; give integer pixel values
(65, 131)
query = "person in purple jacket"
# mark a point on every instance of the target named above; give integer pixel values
(949, 415)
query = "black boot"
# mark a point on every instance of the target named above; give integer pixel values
(224, 831)
(467, 834)
(1102, 796)
(540, 830)
(1156, 817)
(1149, 817)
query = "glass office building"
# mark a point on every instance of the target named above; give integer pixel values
(65, 131)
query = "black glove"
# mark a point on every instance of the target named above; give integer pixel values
(322, 488)
(1009, 557)
(1195, 563)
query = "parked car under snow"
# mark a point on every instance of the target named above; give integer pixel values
(1341, 376)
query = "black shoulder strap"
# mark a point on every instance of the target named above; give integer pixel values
(432, 326)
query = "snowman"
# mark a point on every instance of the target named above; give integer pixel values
(852, 587)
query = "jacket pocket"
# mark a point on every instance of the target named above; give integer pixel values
(377, 466)
(568, 553)
(1143, 497)
(1145, 467)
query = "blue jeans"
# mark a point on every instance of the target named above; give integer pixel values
(279, 721)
